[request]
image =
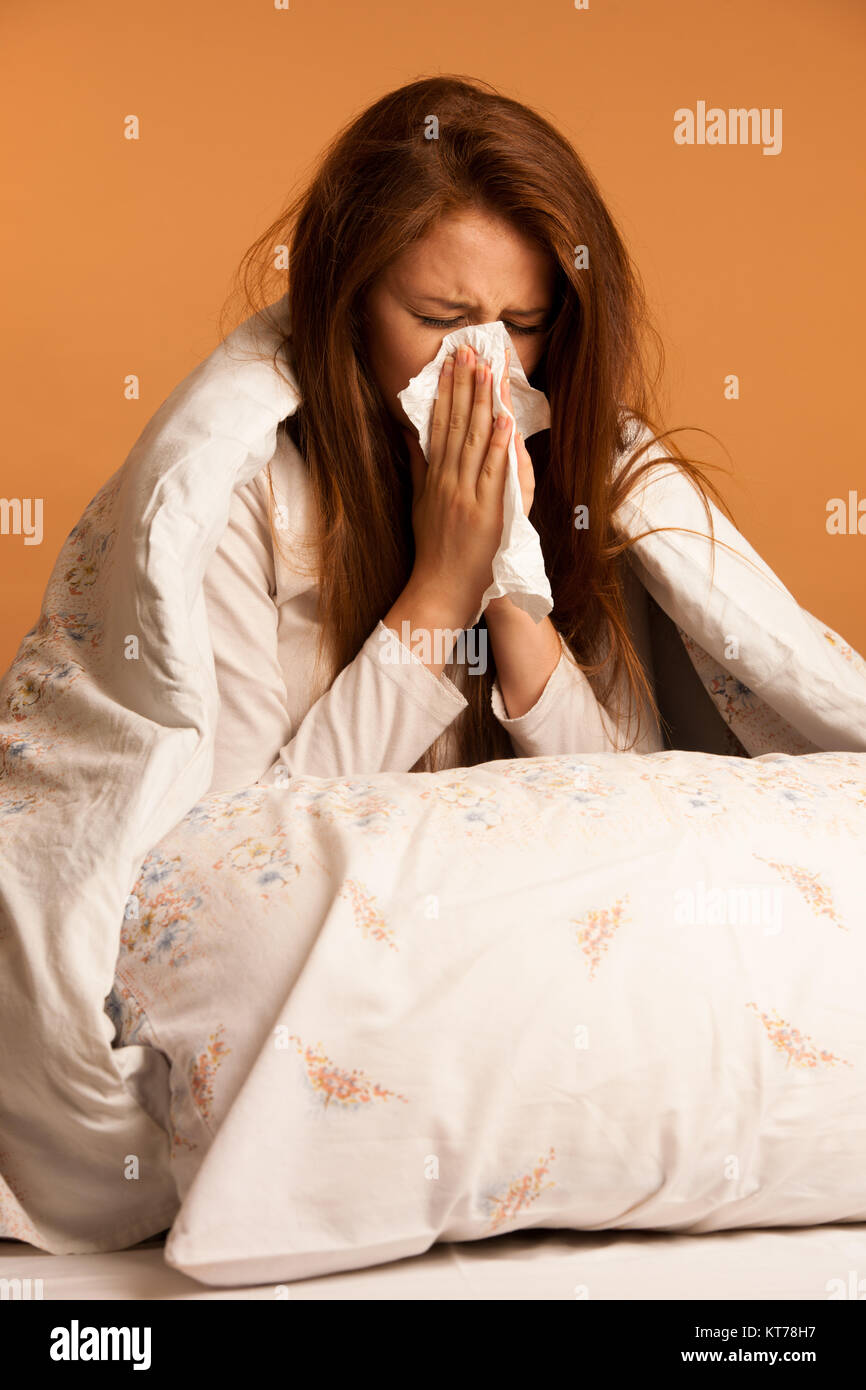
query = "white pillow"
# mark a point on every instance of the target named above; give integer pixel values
(440, 1007)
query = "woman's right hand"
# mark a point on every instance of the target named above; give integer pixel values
(458, 492)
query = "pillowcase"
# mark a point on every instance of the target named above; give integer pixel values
(595, 992)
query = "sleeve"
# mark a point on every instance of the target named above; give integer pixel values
(381, 713)
(567, 717)
(253, 722)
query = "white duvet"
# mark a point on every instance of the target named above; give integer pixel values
(357, 1015)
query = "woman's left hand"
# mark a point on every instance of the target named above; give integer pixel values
(524, 463)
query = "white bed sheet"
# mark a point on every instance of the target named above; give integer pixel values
(790, 1263)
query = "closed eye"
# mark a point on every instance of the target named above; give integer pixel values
(455, 323)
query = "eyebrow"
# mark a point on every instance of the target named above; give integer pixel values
(464, 304)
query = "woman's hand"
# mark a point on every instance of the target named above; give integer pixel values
(457, 509)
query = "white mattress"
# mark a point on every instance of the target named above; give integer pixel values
(794, 1263)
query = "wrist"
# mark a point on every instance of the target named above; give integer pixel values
(502, 613)
(432, 607)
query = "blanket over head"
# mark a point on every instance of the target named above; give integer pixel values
(107, 719)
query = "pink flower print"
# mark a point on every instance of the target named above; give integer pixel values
(17, 750)
(521, 1193)
(576, 782)
(18, 804)
(334, 1085)
(164, 924)
(366, 913)
(203, 1071)
(698, 792)
(844, 650)
(596, 928)
(477, 805)
(178, 1141)
(219, 810)
(798, 1047)
(732, 694)
(53, 629)
(15, 1224)
(94, 548)
(267, 859)
(353, 803)
(127, 1013)
(43, 684)
(856, 790)
(812, 888)
(80, 576)
(78, 628)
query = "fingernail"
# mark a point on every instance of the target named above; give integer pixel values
(448, 366)
(501, 422)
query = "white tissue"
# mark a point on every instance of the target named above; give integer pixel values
(518, 566)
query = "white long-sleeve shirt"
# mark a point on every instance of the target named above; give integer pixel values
(281, 718)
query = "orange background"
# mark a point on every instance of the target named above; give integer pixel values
(119, 254)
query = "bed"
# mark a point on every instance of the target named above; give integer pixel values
(505, 1031)
(822, 1262)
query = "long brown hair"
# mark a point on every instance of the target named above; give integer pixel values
(380, 186)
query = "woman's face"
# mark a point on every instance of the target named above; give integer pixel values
(471, 268)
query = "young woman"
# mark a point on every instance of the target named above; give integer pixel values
(444, 204)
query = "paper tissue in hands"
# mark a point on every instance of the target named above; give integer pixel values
(518, 566)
